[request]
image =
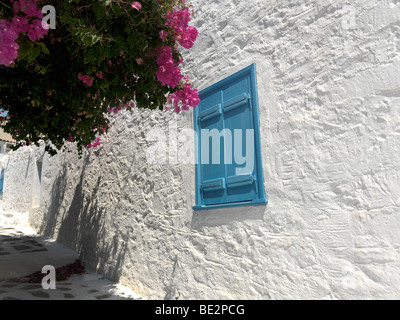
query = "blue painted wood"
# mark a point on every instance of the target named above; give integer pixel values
(236, 102)
(240, 180)
(230, 205)
(229, 109)
(212, 185)
(1, 181)
(238, 118)
(212, 169)
(210, 113)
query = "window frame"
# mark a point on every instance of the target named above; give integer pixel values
(2, 177)
(261, 199)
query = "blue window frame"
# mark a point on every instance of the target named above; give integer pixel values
(1, 181)
(228, 150)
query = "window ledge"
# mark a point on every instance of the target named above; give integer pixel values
(233, 204)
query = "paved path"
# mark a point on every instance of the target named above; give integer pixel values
(23, 252)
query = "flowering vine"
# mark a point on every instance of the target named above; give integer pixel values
(60, 85)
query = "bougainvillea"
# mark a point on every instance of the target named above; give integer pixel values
(62, 84)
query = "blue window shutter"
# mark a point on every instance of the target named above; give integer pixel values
(238, 118)
(231, 108)
(1, 181)
(212, 187)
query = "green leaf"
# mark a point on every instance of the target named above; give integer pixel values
(45, 50)
(132, 42)
(117, 10)
(24, 49)
(91, 56)
(33, 54)
(98, 10)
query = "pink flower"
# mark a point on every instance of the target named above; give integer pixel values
(8, 46)
(169, 75)
(168, 72)
(103, 130)
(129, 104)
(184, 98)
(136, 5)
(179, 21)
(28, 7)
(20, 24)
(86, 79)
(94, 143)
(89, 81)
(36, 30)
(188, 37)
(99, 75)
(163, 35)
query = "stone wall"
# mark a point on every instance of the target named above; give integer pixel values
(328, 76)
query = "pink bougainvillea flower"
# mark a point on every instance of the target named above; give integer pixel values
(136, 5)
(16, 6)
(168, 72)
(86, 79)
(163, 35)
(89, 81)
(94, 143)
(30, 8)
(20, 24)
(130, 104)
(184, 98)
(103, 130)
(99, 75)
(8, 45)
(179, 21)
(188, 38)
(36, 30)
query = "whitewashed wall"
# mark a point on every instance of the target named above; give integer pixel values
(329, 93)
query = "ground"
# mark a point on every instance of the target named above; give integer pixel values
(23, 254)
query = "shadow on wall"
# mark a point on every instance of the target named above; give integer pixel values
(82, 226)
(218, 217)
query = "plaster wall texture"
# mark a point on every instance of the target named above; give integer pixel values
(328, 76)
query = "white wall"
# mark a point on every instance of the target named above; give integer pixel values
(329, 95)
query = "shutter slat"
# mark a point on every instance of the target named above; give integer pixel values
(236, 102)
(212, 185)
(240, 180)
(211, 113)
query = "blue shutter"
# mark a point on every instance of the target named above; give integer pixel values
(231, 107)
(240, 178)
(212, 186)
(1, 181)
